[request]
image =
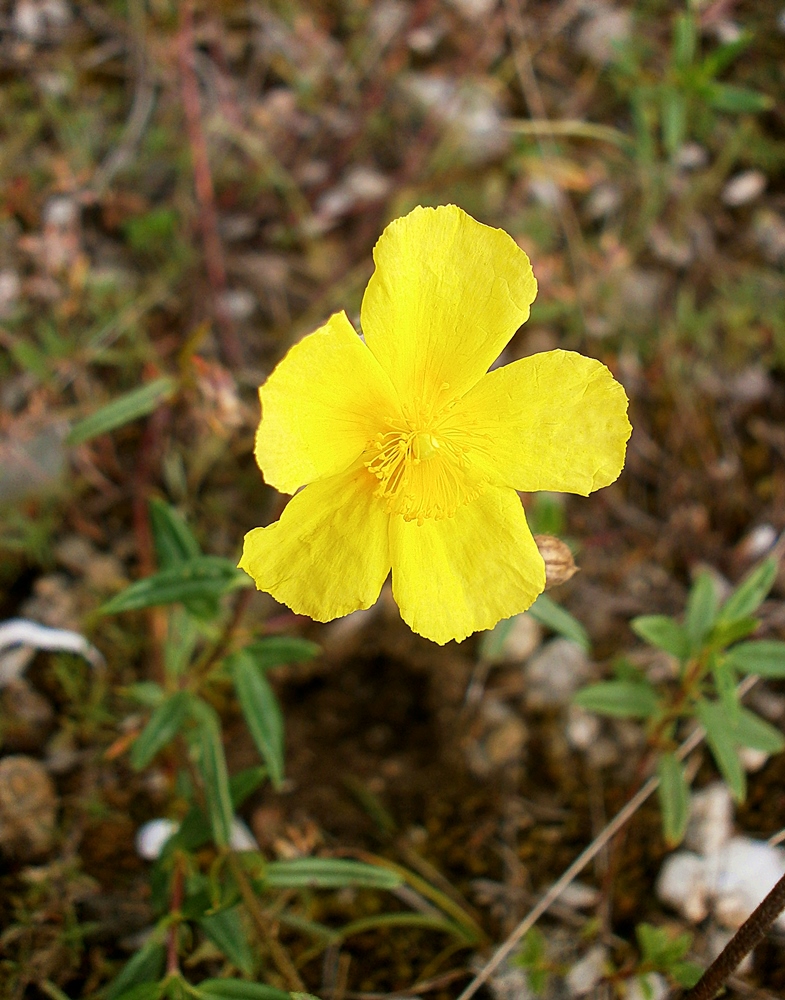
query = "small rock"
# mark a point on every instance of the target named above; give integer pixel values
(691, 156)
(424, 39)
(522, 639)
(603, 200)
(683, 885)
(711, 819)
(583, 727)
(580, 896)
(10, 288)
(151, 838)
(741, 875)
(752, 760)
(28, 807)
(239, 303)
(501, 740)
(665, 247)
(474, 10)
(555, 673)
(27, 716)
(510, 983)
(744, 188)
(651, 986)
(605, 28)
(586, 974)
(768, 231)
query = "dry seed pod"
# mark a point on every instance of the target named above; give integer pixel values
(559, 564)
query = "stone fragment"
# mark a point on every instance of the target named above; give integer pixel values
(28, 807)
(744, 188)
(710, 826)
(555, 673)
(586, 974)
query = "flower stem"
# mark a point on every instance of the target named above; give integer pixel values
(751, 932)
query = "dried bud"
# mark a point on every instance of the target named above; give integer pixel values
(559, 564)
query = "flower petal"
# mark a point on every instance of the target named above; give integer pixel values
(457, 575)
(446, 296)
(553, 421)
(320, 407)
(329, 552)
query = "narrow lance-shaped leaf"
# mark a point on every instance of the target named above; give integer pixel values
(144, 967)
(701, 610)
(134, 404)
(754, 732)
(674, 798)
(765, 657)
(200, 577)
(237, 989)
(750, 594)
(276, 650)
(228, 933)
(211, 763)
(164, 724)
(329, 873)
(663, 633)
(622, 699)
(553, 616)
(261, 711)
(174, 541)
(720, 737)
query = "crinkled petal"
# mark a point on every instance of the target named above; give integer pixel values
(454, 576)
(446, 296)
(553, 421)
(329, 552)
(320, 407)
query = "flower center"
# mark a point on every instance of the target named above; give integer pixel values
(422, 472)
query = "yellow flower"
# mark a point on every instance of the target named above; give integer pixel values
(411, 452)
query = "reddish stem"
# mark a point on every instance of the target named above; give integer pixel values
(203, 183)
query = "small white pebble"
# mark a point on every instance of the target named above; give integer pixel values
(584, 975)
(744, 188)
(710, 825)
(151, 838)
(741, 875)
(683, 885)
(649, 987)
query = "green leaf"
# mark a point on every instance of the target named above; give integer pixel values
(684, 40)
(173, 539)
(726, 633)
(532, 949)
(211, 762)
(752, 731)
(686, 974)
(720, 737)
(261, 711)
(718, 60)
(245, 783)
(701, 610)
(725, 683)
(736, 100)
(132, 405)
(674, 797)
(182, 636)
(276, 650)
(622, 699)
(201, 577)
(328, 873)
(146, 693)
(228, 933)
(145, 966)
(750, 593)
(660, 947)
(144, 991)
(764, 657)
(553, 616)
(674, 121)
(237, 989)
(163, 725)
(663, 633)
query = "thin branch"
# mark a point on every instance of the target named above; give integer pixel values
(205, 193)
(583, 859)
